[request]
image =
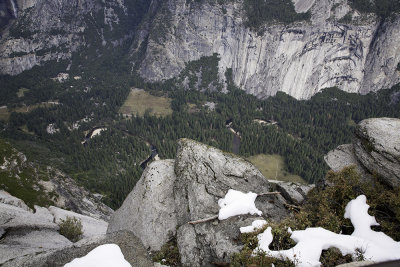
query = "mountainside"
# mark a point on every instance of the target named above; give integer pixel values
(298, 48)
(45, 30)
(299, 58)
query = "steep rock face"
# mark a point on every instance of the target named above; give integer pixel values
(299, 59)
(377, 146)
(53, 185)
(152, 205)
(375, 150)
(51, 30)
(170, 194)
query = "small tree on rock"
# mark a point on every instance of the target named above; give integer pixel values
(71, 228)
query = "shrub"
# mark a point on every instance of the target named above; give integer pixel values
(169, 254)
(71, 228)
(325, 208)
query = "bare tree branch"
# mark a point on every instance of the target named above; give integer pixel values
(268, 194)
(204, 220)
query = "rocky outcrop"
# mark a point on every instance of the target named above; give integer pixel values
(130, 245)
(73, 197)
(377, 146)
(343, 156)
(152, 204)
(52, 185)
(24, 232)
(299, 59)
(294, 193)
(375, 150)
(172, 193)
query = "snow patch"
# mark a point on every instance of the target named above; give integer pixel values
(375, 246)
(97, 132)
(257, 224)
(237, 203)
(52, 129)
(102, 256)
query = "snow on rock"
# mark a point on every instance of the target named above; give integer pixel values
(375, 246)
(102, 256)
(237, 203)
(97, 132)
(52, 129)
(257, 224)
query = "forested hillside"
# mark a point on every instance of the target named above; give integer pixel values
(109, 163)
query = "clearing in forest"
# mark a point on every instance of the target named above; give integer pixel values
(5, 112)
(139, 101)
(273, 168)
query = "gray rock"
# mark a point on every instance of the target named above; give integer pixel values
(8, 199)
(91, 227)
(294, 193)
(73, 197)
(15, 217)
(172, 193)
(377, 147)
(24, 232)
(149, 210)
(343, 156)
(23, 242)
(356, 264)
(204, 175)
(130, 245)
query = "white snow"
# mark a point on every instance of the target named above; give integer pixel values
(97, 132)
(52, 129)
(103, 256)
(237, 203)
(257, 224)
(375, 246)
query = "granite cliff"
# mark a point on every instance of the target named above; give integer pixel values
(336, 46)
(299, 59)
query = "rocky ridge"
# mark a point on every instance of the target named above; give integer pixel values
(172, 193)
(24, 232)
(375, 150)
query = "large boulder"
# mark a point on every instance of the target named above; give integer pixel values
(170, 194)
(204, 175)
(377, 147)
(294, 193)
(149, 210)
(375, 150)
(343, 156)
